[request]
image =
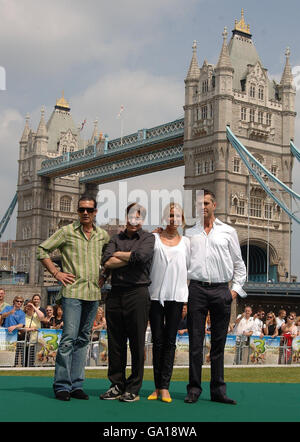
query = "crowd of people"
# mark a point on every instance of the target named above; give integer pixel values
(266, 324)
(27, 316)
(174, 283)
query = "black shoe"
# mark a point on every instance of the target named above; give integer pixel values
(191, 398)
(111, 394)
(79, 394)
(223, 400)
(129, 397)
(63, 395)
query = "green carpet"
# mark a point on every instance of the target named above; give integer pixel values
(30, 399)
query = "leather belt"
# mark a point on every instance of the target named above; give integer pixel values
(211, 284)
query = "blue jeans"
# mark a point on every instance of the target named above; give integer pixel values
(78, 317)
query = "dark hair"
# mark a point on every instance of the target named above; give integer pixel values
(209, 192)
(87, 197)
(137, 208)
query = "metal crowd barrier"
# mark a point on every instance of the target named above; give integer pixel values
(27, 351)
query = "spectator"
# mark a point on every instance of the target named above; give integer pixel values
(3, 304)
(258, 323)
(100, 321)
(40, 311)
(13, 317)
(289, 331)
(48, 321)
(270, 327)
(208, 324)
(182, 327)
(244, 323)
(297, 324)
(280, 320)
(98, 325)
(58, 317)
(32, 324)
(289, 328)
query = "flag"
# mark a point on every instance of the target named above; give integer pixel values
(82, 125)
(121, 110)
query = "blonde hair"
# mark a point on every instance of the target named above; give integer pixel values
(167, 211)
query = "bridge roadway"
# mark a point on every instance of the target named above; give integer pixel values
(145, 151)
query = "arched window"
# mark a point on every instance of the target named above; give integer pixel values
(252, 91)
(65, 204)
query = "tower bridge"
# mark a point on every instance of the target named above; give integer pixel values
(56, 165)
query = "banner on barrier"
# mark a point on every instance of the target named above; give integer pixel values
(47, 345)
(296, 350)
(8, 344)
(264, 350)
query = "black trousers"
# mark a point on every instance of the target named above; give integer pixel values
(164, 322)
(127, 312)
(218, 301)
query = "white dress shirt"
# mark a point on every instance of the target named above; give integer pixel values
(169, 271)
(244, 326)
(216, 257)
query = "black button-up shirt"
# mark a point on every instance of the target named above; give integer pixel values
(137, 271)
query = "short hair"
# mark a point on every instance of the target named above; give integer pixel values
(3, 290)
(173, 205)
(137, 208)
(87, 197)
(17, 297)
(209, 192)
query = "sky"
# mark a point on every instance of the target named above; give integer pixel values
(134, 53)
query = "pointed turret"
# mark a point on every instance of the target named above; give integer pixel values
(42, 129)
(224, 58)
(26, 130)
(194, 70)
(287, 76)
(94, 134)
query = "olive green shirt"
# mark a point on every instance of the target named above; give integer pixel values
(80, 256)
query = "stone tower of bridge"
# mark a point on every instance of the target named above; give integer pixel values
(45, 204)
(237, 91)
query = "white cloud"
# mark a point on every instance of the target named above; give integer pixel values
(148, 101)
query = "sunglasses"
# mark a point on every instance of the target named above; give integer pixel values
(88, 209)
(19, 301)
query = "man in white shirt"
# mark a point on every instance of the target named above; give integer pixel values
(244, 323)
(215, 261)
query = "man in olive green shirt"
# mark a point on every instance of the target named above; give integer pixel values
(80, 244)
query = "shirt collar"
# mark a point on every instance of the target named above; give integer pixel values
(78, 225)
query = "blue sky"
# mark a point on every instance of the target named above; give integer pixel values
(124, 52)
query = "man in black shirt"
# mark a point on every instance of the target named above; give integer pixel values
(128, 256)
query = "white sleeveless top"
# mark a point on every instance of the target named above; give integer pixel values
(169, 271)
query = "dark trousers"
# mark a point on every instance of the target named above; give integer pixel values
(164, 322)
(216, 300)
(127, 312)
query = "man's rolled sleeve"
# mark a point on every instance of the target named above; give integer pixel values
(144, 253)
(54, 242)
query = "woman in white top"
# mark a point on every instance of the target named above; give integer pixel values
(168, 292)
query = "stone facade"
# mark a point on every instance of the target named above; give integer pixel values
(261, 113)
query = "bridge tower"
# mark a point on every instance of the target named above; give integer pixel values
(45, 204)
(261, 113)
